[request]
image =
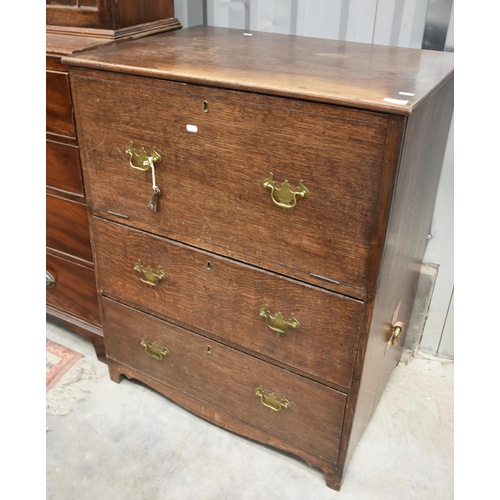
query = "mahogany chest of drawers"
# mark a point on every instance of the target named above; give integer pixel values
(71, 293)
(260, 208)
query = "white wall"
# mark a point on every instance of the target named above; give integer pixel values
(403, 23)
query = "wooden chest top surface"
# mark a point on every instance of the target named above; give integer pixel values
(354, 74)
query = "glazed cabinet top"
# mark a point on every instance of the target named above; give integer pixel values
(374, 77)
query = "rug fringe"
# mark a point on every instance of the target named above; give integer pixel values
(68, 390)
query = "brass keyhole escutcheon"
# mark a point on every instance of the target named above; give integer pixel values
(205, 106)
(209, 350)
(209, 265)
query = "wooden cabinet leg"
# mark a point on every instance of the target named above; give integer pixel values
(114, 372)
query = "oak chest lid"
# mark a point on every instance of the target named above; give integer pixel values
(376, 77)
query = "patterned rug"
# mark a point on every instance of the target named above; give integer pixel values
(64, 368)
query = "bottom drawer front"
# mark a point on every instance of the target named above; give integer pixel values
(306, 414)
(72, 290)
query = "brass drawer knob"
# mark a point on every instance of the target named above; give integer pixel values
(147, 275)
(287, 198)
(153, 350)
(277, 323)
(396, 331)
(270, 401)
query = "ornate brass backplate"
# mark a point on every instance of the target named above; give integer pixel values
(287, 198)
(277, 323)
(147, 275)
(142, 159)
(153, 350)
(270, 401)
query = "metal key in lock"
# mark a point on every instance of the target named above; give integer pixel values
(145, 162)
(153, 202)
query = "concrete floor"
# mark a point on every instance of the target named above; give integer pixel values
(125, 441)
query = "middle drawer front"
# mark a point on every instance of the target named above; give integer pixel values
(306, 414)
(231, 301)
(67, 227)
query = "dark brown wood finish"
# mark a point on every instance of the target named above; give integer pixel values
(106, 15)
(352, 74)
(57, 45)
(73, 297)
(67, 228)
(226, 380)
(74, 292)
(323, 346)
(58, 104)
(71, 30)
(63, 167)
(216, 174)
(413, 204)
(346, 258)
(235, 424)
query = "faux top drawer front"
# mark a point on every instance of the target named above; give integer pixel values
(228, 380)
(317, 334)
(221, 153)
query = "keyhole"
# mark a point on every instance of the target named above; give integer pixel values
(205, 106)
(209, 350)
(209, 265)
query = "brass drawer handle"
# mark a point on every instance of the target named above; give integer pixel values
(277, 323)
(50, 280)
(147, 275)
(145, 163)
(287, 198)
(271, 401)
(154, 350)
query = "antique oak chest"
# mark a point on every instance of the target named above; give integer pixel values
(260, 208)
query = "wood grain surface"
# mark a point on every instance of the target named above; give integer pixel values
(225, 299)
(63, 167)
(211, 180)
(338, 72)
(226, 380)
(363, 127)
(67, 227)
(59, 109)
(74, 292)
